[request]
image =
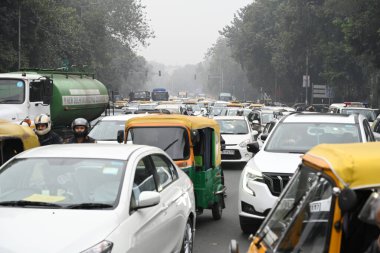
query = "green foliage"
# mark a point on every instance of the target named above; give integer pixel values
(100, 34)
(272, 39)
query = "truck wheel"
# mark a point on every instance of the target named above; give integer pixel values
(217, 209)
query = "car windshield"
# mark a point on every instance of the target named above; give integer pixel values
(300, 220)
(368, 113)
(233, 126)
(12, 91)
(173, 140)
(300, 137)
(107, 130)
(65, 182)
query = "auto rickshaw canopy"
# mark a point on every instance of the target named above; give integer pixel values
(191, 122)
(355, 165)
(10, 130)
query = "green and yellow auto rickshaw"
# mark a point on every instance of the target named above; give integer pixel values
(14, 139)
(194, 143)
(328, 206)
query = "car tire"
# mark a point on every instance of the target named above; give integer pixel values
(249, 225)
(188, 238)
(217, 208)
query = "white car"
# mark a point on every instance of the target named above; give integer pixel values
(267, 173)
(237, 133)
(105, 130)
(97, 198)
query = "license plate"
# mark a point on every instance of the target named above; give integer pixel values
(228, 152)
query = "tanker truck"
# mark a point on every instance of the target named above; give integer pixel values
(62, 95)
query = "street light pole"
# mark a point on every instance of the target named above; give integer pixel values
(19, 34)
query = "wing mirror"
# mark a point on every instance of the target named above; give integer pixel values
(253, 147)
(120, 136)
(264, 137)
(234, 246)
(148, 199)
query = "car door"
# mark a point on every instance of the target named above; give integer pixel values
(145, 225)
(173, 201)
(368, 131)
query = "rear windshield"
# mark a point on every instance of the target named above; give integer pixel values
(107, 130)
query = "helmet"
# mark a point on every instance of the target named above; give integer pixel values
(42, 119)
(80, 122)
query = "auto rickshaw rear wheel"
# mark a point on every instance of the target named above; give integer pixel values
(217, 208)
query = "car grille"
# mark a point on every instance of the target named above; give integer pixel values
(235, 156)
(276, 182)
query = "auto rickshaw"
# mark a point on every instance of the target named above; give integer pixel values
(194, 144)
(324, 208)
(14, 139)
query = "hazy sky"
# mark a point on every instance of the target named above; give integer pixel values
(185, 29)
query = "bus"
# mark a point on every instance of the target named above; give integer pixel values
(225, 96)
(139, 95)
(160, 94)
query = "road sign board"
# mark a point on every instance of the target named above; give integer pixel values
(306, 81)
(320, 91)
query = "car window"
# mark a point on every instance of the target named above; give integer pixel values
(165, 170)
(300, 137)
(106, 130)
(143, 180)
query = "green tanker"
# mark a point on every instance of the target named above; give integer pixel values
(63, 95)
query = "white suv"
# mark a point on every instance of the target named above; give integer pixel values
(267, 173)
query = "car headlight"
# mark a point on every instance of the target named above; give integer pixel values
(243, 144)
(251, 174)
(102, 247)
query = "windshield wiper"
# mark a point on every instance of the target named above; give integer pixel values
(89, 206)
(171, 144)
(24, 203)
(296, 152)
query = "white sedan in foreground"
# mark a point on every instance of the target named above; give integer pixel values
(95, 198)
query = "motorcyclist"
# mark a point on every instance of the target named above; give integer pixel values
(80, 127)
(43, 130)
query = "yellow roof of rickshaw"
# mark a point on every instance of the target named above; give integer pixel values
(10, 130)
(356, 165)
(192, 122)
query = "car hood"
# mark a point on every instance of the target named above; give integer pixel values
(52, 230)
(275, 162)
(235, 139)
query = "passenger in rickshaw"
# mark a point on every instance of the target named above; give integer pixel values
(359, 234)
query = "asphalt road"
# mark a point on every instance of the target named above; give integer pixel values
(215, 236)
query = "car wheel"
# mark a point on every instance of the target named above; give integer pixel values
(249, 225)
(217, 209)
(187, 243)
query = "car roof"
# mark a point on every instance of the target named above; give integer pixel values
(101, 151)
(319, 117)
(121, 117)
(229, 117)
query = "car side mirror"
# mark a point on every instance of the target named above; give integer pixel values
(264, 137)
(223, 144)
(148, 199)
(234, 246)
(120, 136)
(253, 147)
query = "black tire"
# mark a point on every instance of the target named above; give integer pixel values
(188, 238)
(217, 209)
(249, 225)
